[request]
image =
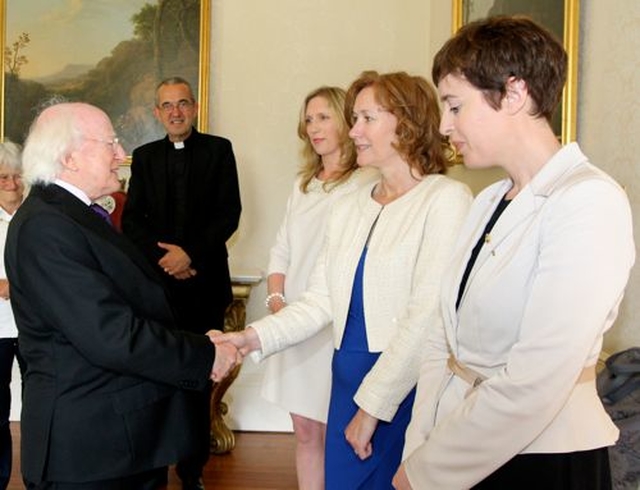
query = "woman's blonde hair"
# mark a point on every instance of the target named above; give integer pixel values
(311, 161)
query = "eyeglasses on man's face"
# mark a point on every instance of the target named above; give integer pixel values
(182, 105)
(114, 143)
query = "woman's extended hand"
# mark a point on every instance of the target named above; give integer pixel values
(246, 341)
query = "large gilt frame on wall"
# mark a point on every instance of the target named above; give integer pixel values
(171, 38)
(565, 19)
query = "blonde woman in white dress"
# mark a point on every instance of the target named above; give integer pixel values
(299, 379)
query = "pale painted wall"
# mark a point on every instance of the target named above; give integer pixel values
(265, 57)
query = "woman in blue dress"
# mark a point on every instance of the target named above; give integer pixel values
(377, 278)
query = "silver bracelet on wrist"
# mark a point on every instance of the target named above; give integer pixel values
(274, 295)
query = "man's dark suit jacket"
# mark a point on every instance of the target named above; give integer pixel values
(108, 380)
(212, 214)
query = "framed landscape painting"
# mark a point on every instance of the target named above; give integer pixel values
(559, 16)
(110, 53)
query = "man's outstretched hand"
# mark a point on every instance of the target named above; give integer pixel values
(227, 357)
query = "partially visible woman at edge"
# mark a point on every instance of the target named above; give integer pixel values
(11, 196)
(507, 396)
(299, 379)
(377, 278)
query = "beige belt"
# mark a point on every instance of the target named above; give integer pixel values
(474, 378)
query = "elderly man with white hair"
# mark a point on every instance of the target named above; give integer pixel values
(109, 380)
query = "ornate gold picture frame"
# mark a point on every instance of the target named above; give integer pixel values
(110, 54)
(562, 18)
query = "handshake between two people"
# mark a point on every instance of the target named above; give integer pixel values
(231, 349)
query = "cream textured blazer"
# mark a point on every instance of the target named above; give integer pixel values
(545, 287)
(405, 262)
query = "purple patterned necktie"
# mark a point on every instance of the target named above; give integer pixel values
(100, 211)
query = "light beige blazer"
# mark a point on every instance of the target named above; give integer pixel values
(546, 286)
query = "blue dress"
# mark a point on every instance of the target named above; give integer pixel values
(343, 469)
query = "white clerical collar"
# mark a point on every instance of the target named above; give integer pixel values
(79, 193)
